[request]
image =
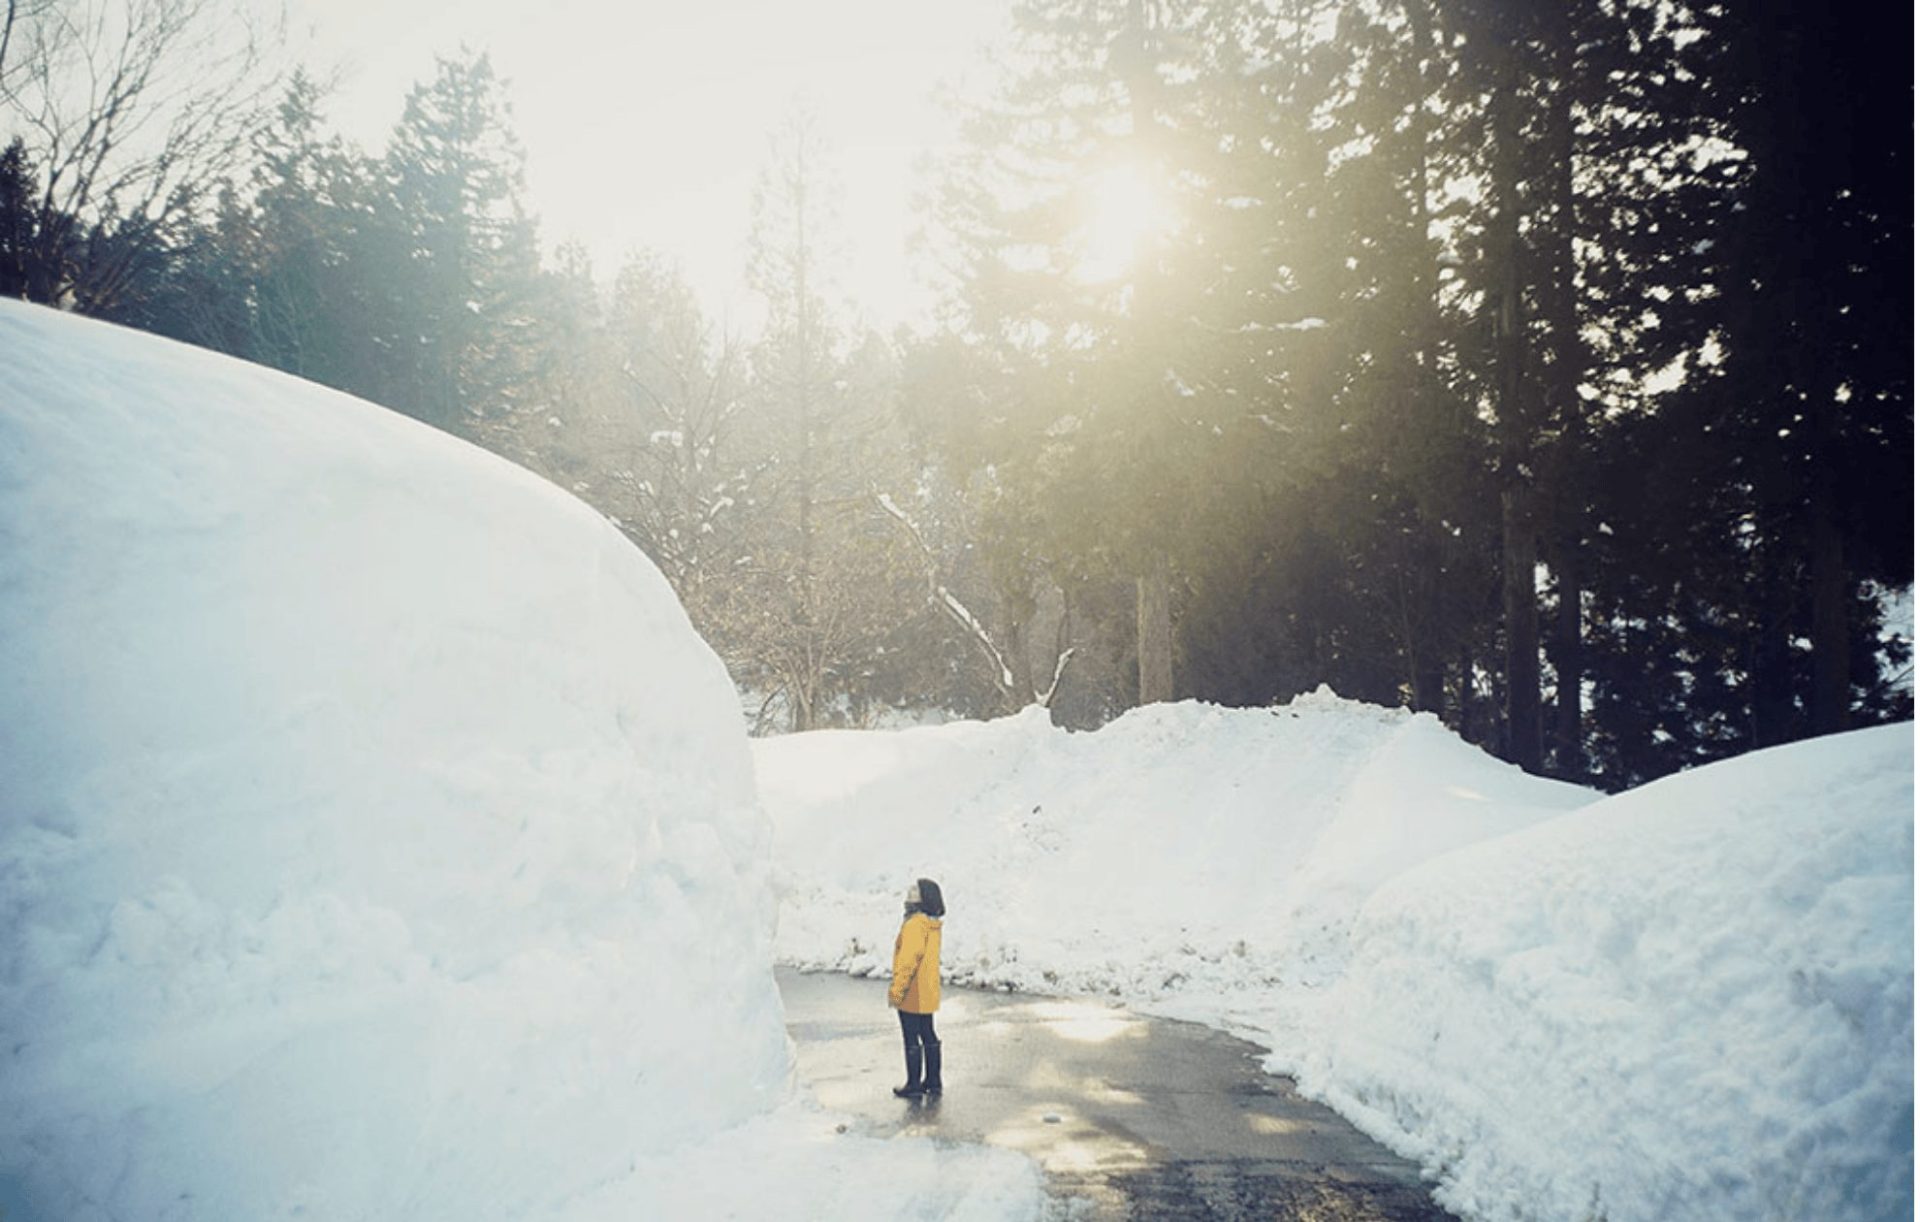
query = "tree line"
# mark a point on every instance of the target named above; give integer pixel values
(1543, 367)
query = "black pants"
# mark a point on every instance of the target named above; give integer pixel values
(917, 1031)
(923, 1049)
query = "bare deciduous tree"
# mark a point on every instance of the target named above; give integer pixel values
(132, 112)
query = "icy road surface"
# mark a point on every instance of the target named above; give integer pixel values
(1130, 1117)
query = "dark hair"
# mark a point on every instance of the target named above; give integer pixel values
(930, 901)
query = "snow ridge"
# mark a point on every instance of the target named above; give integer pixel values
(1692, 1001)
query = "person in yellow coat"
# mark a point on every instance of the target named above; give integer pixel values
(915, 990)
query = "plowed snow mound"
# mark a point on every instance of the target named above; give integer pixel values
(1692, 1001)
(378, 840)
(1183, 846)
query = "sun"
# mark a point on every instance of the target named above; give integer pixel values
(1122, 211)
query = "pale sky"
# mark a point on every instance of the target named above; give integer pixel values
(645, 123)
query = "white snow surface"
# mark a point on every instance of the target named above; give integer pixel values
(1690, 1001)
(1182, 847)
(377, 838)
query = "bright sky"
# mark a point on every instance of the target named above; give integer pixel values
(645, 123)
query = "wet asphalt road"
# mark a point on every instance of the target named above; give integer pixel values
(1130, 1117)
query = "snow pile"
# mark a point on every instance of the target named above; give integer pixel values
(378, 839)
(1181, 849)
(1694, 1000)
(1690, 1001)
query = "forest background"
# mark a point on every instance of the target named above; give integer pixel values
(1546, 367)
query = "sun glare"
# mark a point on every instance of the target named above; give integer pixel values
(1122, 211)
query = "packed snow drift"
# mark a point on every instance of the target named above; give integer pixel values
(1692, 1001)
(1181, 848)
(378, 839)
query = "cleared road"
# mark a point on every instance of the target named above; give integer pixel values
(1139, 1118)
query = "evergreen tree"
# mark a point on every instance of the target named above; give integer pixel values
(1818, 302)
(1085, 208)
(455, 312)
(272, 278)
(31, 260)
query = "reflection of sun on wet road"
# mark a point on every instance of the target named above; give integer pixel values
(1139, 1118)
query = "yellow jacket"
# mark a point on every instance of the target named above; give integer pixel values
(916, 966)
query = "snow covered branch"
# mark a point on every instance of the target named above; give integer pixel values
(964, 619)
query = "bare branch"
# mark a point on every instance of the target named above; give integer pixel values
(134, 111)
(950, 606)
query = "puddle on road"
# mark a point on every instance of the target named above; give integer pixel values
(1070, 1144)
(1083, 1022)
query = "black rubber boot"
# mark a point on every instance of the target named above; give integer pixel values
(932, 1085)
(913, 1089)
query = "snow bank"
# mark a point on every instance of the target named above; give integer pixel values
(1183, 849)
(1694, 1000)
(378, 840)
(1690, 1001)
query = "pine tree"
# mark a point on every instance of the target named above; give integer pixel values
(31, 260)
(1818, 286)
(1085, 206)
(456, 310)
(270, 278)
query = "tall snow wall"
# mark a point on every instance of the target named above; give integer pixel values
(377, 838)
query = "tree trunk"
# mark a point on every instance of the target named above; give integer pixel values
(1426, 670)
(1467, 714)
(803, 385)
(1521, 557)
(1020, 607)
(1519, 548)
(1425, 674)
(1154, 630)
(1133, 61)
(1563, 402)
(1772, 668)
(1569, 747)
(1832, 686)
(1429, 686)
(800, 695)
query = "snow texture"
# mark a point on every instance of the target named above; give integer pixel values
(378, 840)
(1692, 1001)
(1180, 846)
